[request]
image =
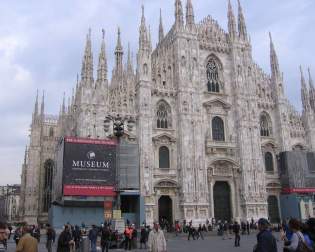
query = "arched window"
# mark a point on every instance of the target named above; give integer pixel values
(217, 129)
(265, 125)
(269, 162)
(213, 76)
(48, 167)
(163, 116)
(164, 157)
(51, 132)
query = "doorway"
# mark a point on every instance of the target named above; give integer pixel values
(273, 209)
(165, 211)
(222, 201)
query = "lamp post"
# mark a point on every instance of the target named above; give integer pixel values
(118, 130)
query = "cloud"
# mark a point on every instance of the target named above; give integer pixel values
(42, 43)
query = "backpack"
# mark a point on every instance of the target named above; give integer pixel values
(302, 246)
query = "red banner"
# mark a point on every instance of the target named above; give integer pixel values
(298, 190)
(82, 190)
(90, 141)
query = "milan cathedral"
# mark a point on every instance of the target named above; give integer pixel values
(209, 122)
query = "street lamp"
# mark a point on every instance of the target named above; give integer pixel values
(118, 130)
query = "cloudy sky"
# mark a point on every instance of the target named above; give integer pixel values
(41, 47)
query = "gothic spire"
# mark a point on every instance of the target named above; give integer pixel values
(311, 90)
(143, 36)
(25, 155)
(179, 15)
(275, 70)
(231, 21)
(190, 17)
(119, 54)
(149, 39)
(87, 64)
(63, 107)
(304, 92)
(129, 61)
(161, 30)
(102, 61)
(36, 105)
(42, 106)
(241, 22)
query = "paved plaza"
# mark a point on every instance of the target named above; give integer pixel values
(180, 244)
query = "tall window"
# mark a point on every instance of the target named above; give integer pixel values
(164, 157)
(269, 162)
(163, 116)
(213, 76)
(265, 125)
(48, 166)
(51, 132)
(217, 129)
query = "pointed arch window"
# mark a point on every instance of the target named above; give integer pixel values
(164, 157)
(265, 125)
(213, 76)
(163, 116)
(51, 132)
(218, 129)
(269, 162)
(48, 177)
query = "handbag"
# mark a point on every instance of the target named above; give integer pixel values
(302, 246)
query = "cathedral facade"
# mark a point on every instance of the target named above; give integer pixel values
(209, 122)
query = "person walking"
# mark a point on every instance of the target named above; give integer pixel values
(236, 231)
(65, 240)
(93, 238)
(3, 236)
(297, 241)
(51, 235)
(27, 243)
(191, 231)
(248, 227)
(266, 242)
(134, 237)
(76, 234)
(17, 235)
(105, 238)
(199, 231)
(143, 237)
(156, 241)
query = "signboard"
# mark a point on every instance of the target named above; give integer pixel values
(117, 214)
(89, 167)
(298, 190)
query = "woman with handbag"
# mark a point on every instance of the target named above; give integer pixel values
(297, 242)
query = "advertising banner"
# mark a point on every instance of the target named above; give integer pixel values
(89, 167)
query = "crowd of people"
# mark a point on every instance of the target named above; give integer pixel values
(296, 236)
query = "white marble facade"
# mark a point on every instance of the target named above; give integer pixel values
(198, 97)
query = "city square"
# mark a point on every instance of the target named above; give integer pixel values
(134, 122)
(177, 244)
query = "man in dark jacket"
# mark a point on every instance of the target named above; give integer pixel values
(266, 242)
(51, 234)
(65, 240)
(93, 238)
(236, 231)
(105, 238)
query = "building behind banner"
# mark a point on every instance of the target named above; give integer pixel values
(85, 182)
(298, 179)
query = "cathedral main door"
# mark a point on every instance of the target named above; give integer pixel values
(222, 201)
(165, 210)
